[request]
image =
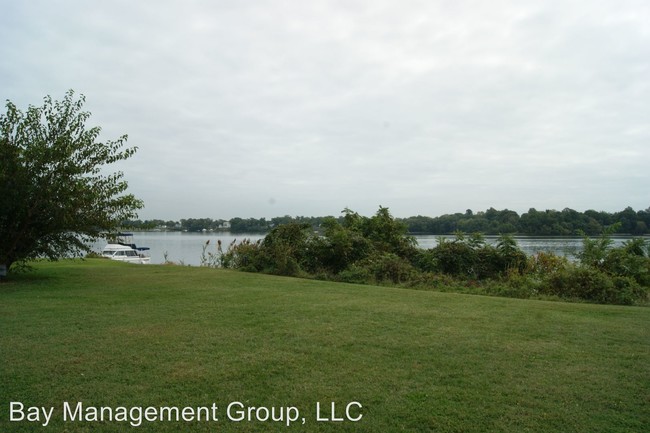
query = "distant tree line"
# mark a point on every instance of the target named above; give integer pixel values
(566, 222)
(234, 225)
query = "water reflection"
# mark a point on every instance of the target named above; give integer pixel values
(563, 246)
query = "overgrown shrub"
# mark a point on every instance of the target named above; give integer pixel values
(471, 257)
(355, 274)
(512, 259)
(245, 255)
(630, 260)
(340, 247)
(514, 285)
(458, 258)
(386, 234)
(286, 249)
(592, 284)
(388, 267)
(432, 281)
(546, 263)
(627, 291)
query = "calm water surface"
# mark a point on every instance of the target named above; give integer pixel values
(186, 248)
(182, 247)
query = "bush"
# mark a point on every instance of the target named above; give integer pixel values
(246, 256)
(489, 263)
(512, 258)
(627, 291)
(286, 249)
(629, 261)
(355, 274)
(546, 263)
(456, 258)
(389, 267)
(594, 251)
(431, 280)
(340, 247)
(594, 285)
(514, 285)
(425, 261)
(470, 257)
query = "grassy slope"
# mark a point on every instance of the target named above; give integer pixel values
(110, 334)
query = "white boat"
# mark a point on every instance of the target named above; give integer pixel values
(123, 249)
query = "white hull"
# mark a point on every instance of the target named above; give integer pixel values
(122, 251)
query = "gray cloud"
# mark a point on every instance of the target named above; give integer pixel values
(267, 108)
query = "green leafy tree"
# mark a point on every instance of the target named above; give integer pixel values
(55, 197)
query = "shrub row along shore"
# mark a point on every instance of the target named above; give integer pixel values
(378, 250)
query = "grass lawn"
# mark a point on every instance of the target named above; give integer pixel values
(114, 335)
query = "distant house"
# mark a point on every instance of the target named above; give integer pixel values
(225, 225)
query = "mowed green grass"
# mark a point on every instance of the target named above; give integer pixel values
(111, 334)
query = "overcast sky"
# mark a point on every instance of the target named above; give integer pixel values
(267, 108)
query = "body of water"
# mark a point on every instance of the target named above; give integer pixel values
(182, 247)
(563, 246)
(186, 248)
